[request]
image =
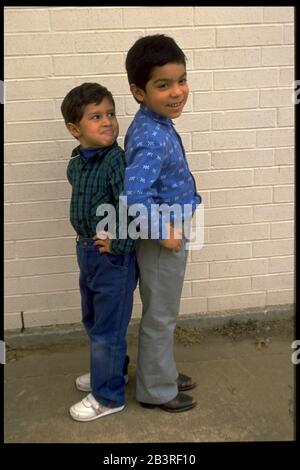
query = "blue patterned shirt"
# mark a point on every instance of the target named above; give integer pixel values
(157, 171)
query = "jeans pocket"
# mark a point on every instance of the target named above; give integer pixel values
(116, 261)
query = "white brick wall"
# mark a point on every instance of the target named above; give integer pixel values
(237, 130)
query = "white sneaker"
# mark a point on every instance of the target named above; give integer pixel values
(90, 409)
(83, 383)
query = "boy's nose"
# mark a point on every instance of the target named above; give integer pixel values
(176, 90)
(106, 121)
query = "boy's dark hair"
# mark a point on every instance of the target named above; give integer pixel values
(148, 52)
(73, 105)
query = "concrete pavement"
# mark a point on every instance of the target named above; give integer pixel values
(245, 387)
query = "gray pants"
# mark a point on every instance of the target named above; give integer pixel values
(161, 280)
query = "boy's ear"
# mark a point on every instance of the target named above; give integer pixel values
(73, 129)
(137, 92)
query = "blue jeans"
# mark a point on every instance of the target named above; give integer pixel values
(107, 284)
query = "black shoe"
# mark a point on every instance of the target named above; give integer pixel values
(185, 383)
(180, 403)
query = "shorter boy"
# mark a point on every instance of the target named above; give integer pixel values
(108, 275)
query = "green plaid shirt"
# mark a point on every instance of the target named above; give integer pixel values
(97, 180)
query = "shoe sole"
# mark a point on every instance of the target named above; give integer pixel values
(93, 418)
(170, 410)
(82, 388)
(187, 387)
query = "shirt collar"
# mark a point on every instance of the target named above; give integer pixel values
(157, 117)
(99, 152)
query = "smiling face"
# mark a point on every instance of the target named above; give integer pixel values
(98, 126)
(166, 92)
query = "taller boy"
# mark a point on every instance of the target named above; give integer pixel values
(157, 173)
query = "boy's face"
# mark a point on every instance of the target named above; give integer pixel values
(166, 91)
(98, 126)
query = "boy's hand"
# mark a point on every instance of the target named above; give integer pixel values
(174, 240)
(102, 240)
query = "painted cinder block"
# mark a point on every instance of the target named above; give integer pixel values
(237, 130)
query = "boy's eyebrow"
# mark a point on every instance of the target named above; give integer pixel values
(99, 112)
(168, 79)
